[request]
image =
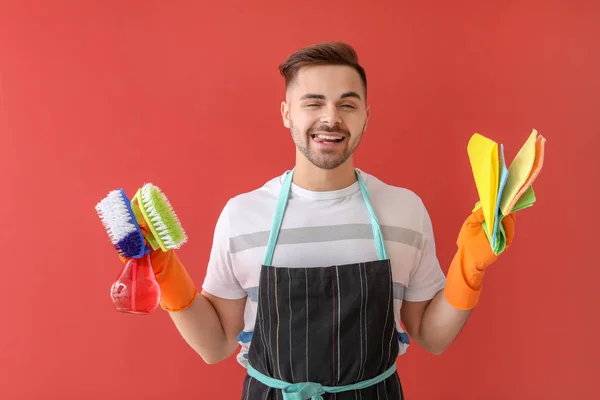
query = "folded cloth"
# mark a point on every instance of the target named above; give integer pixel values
(538, 163)
(504, 191)
(503, 177)
(483, 156)
(518, 172)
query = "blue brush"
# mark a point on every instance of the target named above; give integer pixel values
(121, 225)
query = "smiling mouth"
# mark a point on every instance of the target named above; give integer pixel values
(325, 138)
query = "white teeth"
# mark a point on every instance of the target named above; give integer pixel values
(326, 137)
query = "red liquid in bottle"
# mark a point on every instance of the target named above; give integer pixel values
(136, 291)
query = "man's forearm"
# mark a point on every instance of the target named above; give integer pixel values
(441, 324)
(200, 326)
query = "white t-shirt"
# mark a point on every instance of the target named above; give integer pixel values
(321, 229)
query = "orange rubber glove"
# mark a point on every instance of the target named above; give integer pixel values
(474, 255)
(178, 291)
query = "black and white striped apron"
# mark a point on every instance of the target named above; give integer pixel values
(320, 329)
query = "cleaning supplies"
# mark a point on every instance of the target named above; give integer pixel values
(501, 191)
(490, 228)
(121, 226)
(153, 274)
(135, 290)
(151, 205)
(510, 201)
(483, 155)
(501, 185)
(164, 233)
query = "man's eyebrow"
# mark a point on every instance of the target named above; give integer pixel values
(350, 94)
(321, 97)
(312, 96)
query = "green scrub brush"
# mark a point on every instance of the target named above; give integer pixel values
(164, 231)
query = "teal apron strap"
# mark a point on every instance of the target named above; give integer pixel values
(278, 218)
(377, 235)
(282, 200)
(314, 391)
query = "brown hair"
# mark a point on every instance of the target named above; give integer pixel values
(328, 53)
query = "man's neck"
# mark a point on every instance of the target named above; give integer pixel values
(309, 177)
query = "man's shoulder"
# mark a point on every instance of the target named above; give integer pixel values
(397, 206)
(258, 198)
(388, 193)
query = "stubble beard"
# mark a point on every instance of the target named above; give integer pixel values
(323, 159)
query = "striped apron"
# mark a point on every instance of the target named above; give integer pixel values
(327, 332)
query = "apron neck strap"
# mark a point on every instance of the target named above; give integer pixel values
(280, 207)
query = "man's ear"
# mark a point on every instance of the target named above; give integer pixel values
(367, 119)
(285, 114)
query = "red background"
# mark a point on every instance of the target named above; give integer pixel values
(98, 95)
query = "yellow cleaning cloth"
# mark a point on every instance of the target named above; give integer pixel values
(483, 156)
(518, 172)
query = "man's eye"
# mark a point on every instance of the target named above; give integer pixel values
(348, 105)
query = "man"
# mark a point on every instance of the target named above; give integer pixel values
(313, 273)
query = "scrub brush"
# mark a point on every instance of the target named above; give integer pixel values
(136, 289)
(121, 225)
(151, 206)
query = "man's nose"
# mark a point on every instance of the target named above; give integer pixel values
(331, 116)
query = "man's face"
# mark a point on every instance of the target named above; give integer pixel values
(326, 112)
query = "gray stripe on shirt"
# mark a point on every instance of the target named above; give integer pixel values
(318, 234)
